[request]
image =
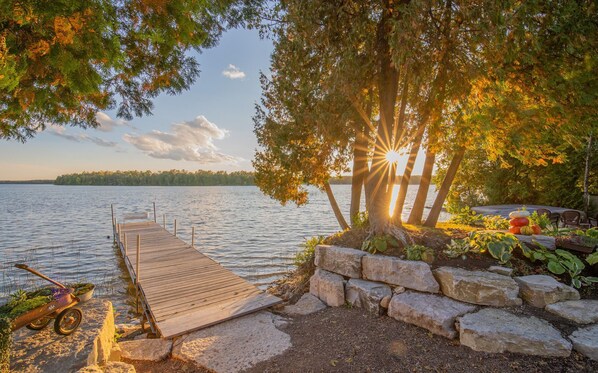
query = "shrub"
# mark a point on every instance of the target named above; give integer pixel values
(467, 216)
(379, 243)
(543, 221)
(306, 255)
(420, 252)
(361, 220)
(560, 262)
(495, 222)
(499, 245)
(457, 248)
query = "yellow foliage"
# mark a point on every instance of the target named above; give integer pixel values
(38, 49)
(65, 29)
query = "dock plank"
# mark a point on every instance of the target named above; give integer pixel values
(183, 289)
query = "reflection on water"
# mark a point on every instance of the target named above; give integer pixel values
(65, 230)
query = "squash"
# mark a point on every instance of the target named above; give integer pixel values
(515, 230)
(527, 230)
(519, 222)
(536, 228)
(519, 214)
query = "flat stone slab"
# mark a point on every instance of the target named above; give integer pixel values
(328, 286)
(541, 290)
(46, 351)
(308, 304)
(429, 311)
(585, 341)
(235, 345)
(367, 295)
(546, 241)
(110, 367)
(410, 274)
(505, 271)
(584, 311)
(494, 330)
(341, 260)
(478, 287)
(146, 349)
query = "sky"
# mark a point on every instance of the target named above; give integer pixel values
(208, 127)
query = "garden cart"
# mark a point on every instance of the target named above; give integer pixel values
(60, 307)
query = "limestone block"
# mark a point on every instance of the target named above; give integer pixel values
(478, 287)
(341, 260)
(367, 295)
(433, 312)
(410, 274)
(495, 330)
(329, 287)
(541, 290)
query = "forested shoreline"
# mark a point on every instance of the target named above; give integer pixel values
(160, 178)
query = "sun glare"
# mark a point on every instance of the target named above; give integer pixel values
(392, 156)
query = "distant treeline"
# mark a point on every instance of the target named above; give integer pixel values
(162, 178)
(26, 181)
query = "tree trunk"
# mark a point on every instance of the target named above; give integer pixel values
(417, 212)
(360, 171)
(586, 178)
(451, 172)
(398, 208)
(337, 211)
(388, 81)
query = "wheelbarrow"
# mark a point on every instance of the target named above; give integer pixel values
(61, 308)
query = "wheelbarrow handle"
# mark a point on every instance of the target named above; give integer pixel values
(28, 269)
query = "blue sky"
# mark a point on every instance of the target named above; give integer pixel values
(212, 119)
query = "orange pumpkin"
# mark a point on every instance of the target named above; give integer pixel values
(519, 222)
(537, 229)
(515, 230)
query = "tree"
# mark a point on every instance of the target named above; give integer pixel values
(63, 61)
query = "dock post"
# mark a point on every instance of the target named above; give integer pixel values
(175, 227)
(137, 271)
(154, 212)
(192, 236)
(113, 227)
(125, 245)
(164, 221)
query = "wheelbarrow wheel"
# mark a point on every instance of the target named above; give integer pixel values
(68, 321)
(39, 324)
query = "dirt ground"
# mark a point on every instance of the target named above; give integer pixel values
(348, 340)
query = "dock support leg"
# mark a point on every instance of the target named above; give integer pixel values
(137, 271)
(192, 236)
(113, 225)
(154, 212)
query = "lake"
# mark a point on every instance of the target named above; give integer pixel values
(65, 231)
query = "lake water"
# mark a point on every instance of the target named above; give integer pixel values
(64, 231)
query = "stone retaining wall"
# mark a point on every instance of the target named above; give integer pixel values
(450, 301)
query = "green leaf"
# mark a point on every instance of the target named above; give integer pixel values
(556, 268)
(592, 258)
(576, 283)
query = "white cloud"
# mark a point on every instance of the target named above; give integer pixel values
(81, 137)
(233, 72)
(187, 141)
(107, 124)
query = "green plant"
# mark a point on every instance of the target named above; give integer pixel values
(467, 216)
(588, 237)
(499, 245)
(17, 298)
(420, 252)
(592, 258)
(306, 255)
(361, 220)
(543, 221)
(379, 243)
(5, 344)
(457, 248)
(562, 261)
(495, 222)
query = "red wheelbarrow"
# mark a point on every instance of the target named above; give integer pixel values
(61, 308)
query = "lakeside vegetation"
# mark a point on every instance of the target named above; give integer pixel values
(161, 178)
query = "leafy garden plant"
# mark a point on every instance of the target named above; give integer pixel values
(495, 222)
(457, 248)
(420, 252)
(467, 216)
(379, 243)
(361, 220)
(306, 255)
(499, 245)
(543, 221)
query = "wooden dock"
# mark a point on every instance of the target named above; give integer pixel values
(181, 289)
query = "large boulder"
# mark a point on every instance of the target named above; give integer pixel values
(308, 304)
(411, 274)
(341, 260)
(585, 341)
(433, 312)
(46, 351)
(367, 295)
(235, 345)
(478, 287)
(494, 330)
(146, 349)
(329, 287)
(541, 290)
(583, 311)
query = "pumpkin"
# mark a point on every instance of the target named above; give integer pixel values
(527, 230)
(519, 214)
(519, 222)
(515, 230)
(536, 228)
